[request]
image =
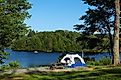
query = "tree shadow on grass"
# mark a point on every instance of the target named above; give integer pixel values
(65, 75)
(105, 74)
(112, 71)
(7, 75)
(101, 74)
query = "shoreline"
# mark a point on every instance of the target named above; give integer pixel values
(38, 51)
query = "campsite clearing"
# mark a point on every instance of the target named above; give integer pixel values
(95, 73)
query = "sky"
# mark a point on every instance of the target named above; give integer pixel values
(51, 15)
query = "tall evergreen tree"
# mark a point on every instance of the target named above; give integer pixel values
(101, 17)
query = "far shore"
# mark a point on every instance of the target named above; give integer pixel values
(61, 52)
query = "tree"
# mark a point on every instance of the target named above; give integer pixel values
(116, 59)
(60, 41)
(12, 26)
(31, 33)
(100, 17)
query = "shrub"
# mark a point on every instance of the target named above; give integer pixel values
(102, 61)
(14, 64)
(4, 67)
(105, 61)
(11, 65)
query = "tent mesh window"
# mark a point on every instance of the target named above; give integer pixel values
(77, 60)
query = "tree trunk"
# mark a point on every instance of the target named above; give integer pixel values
(111, 39)
(116, 60)
(111, 43)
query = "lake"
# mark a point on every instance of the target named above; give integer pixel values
(31, 59)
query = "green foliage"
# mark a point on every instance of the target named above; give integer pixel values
(93, 63)
(4, 67)
(12, 26)
(91, 42)
(11, 65)
(61, 41)
(100, 17)
(103, 61)
(12, 16)
(14, 64)
(3, 55)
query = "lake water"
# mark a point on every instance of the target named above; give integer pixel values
(31, 59)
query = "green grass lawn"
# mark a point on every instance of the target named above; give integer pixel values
(96, 74)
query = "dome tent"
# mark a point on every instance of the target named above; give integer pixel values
(73, 60)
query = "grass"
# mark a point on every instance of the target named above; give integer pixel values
(99, 73)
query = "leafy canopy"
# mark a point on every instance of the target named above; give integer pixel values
(12, 26)
(99, 16)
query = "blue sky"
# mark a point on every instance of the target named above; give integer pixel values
(51, 15)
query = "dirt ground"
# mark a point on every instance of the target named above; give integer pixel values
(41, 69)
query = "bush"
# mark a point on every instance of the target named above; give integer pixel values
(105, 61)
(3, 55)
(4, 67)
(14, 64)
(92, 63)
(11, 65)
(102, 61)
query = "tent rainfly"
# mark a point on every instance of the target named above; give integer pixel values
(73, 60)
